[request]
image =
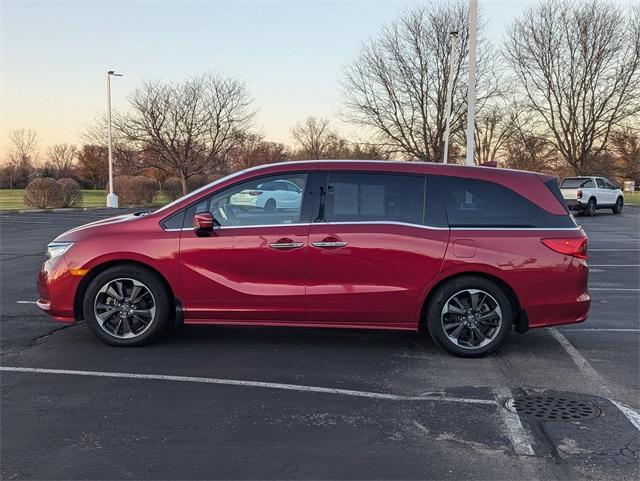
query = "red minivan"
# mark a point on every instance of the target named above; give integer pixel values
(470, 253)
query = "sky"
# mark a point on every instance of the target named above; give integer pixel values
(55, 54)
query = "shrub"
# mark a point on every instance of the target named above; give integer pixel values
(70, 194)
(172, 188)
(43, 193)
(135, 189)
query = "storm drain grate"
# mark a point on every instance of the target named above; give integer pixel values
(553, 408)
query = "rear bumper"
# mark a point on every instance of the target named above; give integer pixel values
(56, 289)
(558, 299)
(575, 204)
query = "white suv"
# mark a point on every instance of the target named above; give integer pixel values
(586, 194)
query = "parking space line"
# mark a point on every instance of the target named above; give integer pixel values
(596, 329)
(25, 302)
(580, 361)
(520, 438)
(630, 414)
(614, 265)
(258, 384)
(613, 289)
(614, 250)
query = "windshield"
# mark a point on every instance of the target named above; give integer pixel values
(576, 183)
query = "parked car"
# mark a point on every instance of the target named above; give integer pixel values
(470, 253)
(588, 194)
(270, 196)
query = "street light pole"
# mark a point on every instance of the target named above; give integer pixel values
(452, 61)
(112, 199)
(471, 93)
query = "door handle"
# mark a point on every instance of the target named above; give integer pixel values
(329, 243)
(285, 244)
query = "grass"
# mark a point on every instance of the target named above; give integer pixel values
(633, 199)
(11, 199)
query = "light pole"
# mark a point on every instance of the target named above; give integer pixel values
(112, 199)
(471, 93)
(452, 61)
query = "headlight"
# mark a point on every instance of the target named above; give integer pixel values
(55, 249)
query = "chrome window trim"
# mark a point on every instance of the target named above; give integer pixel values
(406, 224)
(515, 228)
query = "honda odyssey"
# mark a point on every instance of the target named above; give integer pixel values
(467, 253)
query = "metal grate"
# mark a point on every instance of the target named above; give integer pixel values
(553, 408)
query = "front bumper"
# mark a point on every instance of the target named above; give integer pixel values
(57, 287)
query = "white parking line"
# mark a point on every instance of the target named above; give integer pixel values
(583, 365)
(259, 384)
(613, 250)
(520, 438)
(614, 265)
(613, 289)
(25, 302)
(596, 329)
(630, 414)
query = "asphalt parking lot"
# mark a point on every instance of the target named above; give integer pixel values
(243, 403)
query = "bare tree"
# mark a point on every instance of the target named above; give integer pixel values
(492, 130)
(22, 155)
(187, 128)
(626, 147)
(525, 148)
(397, 86)
(314, 136)
(578, 65)
(23, 146)
(61, 157)
(253, 150)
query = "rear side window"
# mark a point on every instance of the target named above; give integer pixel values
(479, 203)
(601, 184)
(577, 183)
(364, 197)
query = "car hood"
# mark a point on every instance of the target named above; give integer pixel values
(93, 228)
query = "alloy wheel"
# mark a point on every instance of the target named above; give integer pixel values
(471, 318)
(125, 308)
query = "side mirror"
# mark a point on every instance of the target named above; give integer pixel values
(203, 222)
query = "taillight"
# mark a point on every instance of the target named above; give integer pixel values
(254, 192)
(574, 246)
(579, 194)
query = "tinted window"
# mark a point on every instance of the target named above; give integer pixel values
(573, 183)
(601, 184)
(263, 201)
(175, 221)
(478, 203)
(362, 197)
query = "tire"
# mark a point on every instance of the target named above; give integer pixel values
(590, 210)
(617, 208)
(495, 328)
(147, 315)
(270, 205)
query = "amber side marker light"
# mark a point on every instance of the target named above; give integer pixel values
(574, 246)
(78, 272)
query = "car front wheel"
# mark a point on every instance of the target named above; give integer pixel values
(469, 316)
(617, 208)
(126, 306)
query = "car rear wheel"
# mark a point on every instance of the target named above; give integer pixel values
(591, 207)
(126, 306)
(469, 316)
(270, 205)
(617, 208)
